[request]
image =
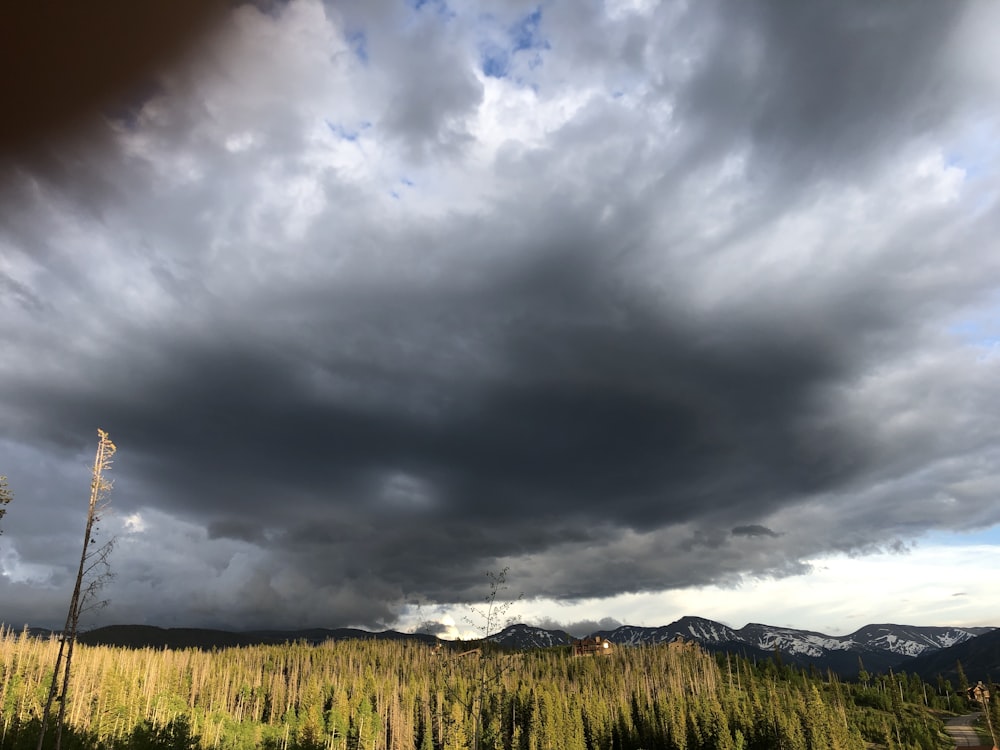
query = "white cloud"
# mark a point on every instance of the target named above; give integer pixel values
(134, 523)
(931, 584)
(16, 570)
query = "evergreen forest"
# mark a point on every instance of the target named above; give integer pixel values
(407, 695)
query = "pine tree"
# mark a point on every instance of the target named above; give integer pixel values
(896, 694)
(863, 675)
(963, 681)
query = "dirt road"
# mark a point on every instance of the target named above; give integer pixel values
(960, 729)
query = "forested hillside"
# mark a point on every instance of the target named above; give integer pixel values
(379, 695)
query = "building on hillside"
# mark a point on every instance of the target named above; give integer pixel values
(592, 646)
(978, 692)
(679, 644)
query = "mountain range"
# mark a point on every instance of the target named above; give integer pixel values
(879, 647)
(925, 650)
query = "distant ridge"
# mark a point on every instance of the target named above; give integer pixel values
(148, 636)
(880, 646)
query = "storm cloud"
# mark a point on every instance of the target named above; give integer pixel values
(626, 297)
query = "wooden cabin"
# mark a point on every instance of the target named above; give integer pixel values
(592, 646)
(979, 692)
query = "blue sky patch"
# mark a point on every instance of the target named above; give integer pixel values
(358, 42)
(985, 536)
(496, 55)
(440, 7)
(524, 33)
(494, 62)
(982, 328)
(341, 132)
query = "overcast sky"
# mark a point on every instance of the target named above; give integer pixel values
(671, 308)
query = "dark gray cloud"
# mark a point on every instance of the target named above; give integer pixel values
(755, 530)
(431, 627)
(679, 300)
(824, 86)
(578, 628)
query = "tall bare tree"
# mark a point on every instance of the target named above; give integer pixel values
(92, 574)
(5, 497)
(488, 619)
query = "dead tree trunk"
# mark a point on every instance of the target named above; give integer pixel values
(91, 575)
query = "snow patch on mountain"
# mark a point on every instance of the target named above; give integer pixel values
(908, 640)
(792, 641)
(527, 636)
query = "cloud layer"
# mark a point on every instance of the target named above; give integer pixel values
(626, 297)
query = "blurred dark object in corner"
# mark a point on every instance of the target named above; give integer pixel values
(66, 60)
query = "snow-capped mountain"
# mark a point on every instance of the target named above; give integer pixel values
(902, 640)
(909, 640)
(689, 628)
(791, 641)
(879, 647)
(525, 636)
